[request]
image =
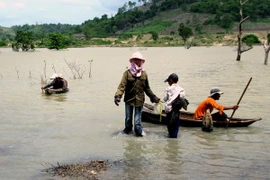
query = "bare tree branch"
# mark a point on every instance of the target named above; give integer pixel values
(17, 72)
(244, 49)
(76, 68)
(243, 20)
(243, 2)
(53, 68)
(45, 69)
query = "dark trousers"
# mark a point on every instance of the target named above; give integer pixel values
(219, 117)
(173, 120)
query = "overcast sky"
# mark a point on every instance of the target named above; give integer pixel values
(20, 12)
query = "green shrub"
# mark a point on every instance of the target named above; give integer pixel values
(250, 39)
(154, 35)
(2, 43)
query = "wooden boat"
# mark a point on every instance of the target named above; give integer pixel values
(186, 119)
(50, 91)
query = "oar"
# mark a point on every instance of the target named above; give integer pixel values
(239, 100)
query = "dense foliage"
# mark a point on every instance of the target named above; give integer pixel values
(135, 17)
(24, 40)
(57, 41)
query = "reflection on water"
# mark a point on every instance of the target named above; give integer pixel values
(173, 157)
(56, 97)
(134, 160)
(66, 128)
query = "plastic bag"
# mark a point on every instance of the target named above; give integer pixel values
(158, 107)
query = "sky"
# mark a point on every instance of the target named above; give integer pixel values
(20, 12)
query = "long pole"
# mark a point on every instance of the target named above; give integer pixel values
(240, 99)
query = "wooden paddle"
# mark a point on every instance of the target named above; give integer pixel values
(239, 100)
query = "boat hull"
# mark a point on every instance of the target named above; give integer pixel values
(50, 91)
(186, 119)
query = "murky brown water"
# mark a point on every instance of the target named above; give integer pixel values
(84, 124)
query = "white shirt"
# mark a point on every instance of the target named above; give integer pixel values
(170, 94)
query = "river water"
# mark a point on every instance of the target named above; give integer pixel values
(39, 131)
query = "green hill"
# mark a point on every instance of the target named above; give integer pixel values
(211, 21)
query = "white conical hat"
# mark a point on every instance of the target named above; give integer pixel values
(54, 76)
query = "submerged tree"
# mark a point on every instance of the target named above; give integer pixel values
(24, 40)
(266, 47)
(57, 41)
(240, 48)
(185, 32)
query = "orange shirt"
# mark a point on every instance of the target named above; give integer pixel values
(210, 104)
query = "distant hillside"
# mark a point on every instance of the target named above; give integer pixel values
(162, 17)
(189, 14)
(6, 33)
(6, 30)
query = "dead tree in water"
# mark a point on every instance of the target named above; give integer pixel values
(90, 68)
(76, 68)
(240, 49)
(266, 47)
(44, 70)
(17, 72)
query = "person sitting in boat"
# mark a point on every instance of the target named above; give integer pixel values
(58, 85)
(210, 103)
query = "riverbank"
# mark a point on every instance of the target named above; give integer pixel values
(146, 40)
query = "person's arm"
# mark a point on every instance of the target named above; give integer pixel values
(211, 103)
(65, 84)
(121, 89)
(149, 92)
(166, 95)
(222, 108)
(234, 107)
(48, 85)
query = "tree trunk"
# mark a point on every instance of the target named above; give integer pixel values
(266, 58)
(266, 49)
(238, 58)
(239, 48)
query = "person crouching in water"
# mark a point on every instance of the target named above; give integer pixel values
(173, 98)
(58, 85)
(134, 84)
